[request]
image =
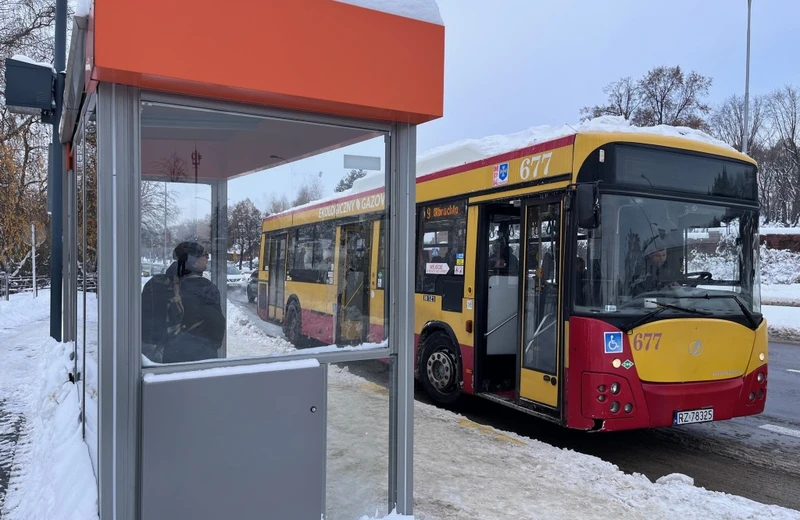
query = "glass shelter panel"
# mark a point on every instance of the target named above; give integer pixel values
(85, 146)
(259, 235)
(357, 440)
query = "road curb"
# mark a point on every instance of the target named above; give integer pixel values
(784, 335)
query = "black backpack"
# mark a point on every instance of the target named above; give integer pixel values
(162, 310)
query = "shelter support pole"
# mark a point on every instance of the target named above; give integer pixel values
(401, 187)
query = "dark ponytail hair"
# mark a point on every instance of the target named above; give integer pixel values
(182, 258)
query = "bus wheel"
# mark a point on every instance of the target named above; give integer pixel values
(439, 370)
(292, 327)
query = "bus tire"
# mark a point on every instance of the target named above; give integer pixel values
(292, 329)
(439, 370)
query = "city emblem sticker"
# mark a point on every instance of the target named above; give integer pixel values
(613, 342)
(500, 174)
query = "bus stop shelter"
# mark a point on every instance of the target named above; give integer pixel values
(176, 114)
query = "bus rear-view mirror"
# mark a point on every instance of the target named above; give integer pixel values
(587, 206)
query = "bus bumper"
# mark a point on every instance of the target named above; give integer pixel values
(652, 405)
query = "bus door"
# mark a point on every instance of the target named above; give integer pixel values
(539, 370)
(354, 281)
(277, 276)
(498, 293)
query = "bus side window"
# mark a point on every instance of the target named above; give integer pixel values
(441, 246)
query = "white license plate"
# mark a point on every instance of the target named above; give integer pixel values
(694, 416)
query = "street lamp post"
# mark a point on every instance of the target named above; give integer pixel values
(745, 131)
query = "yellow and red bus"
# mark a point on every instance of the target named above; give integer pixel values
(602, 280)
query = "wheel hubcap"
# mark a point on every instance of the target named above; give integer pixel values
(441, 370)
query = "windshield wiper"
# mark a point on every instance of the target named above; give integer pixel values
(662, 308)
(747, 314)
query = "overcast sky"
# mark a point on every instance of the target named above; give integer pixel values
(512, 64)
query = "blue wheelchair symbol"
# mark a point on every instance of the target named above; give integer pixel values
(613, 342)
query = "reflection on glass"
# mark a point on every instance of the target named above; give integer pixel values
(541, 288)
(357, 440)
(87, 287)
(700, 256)
(259, 236)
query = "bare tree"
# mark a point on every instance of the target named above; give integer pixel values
(159, 203)
(310, 190)
(663, 96)
(25, 28)
(623, 100)
(727, 122)
(278, 204)
(196, 229)
(784, 112)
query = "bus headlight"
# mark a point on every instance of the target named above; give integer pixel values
(760, 377)
(615, 388)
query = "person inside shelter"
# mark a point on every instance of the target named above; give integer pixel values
(182, 317)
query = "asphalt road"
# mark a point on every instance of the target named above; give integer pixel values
(755, 457)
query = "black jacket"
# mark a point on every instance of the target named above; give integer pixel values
(203, 321)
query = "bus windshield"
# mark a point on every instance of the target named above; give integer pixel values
(681, 257)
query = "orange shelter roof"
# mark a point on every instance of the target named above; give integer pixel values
(314, 55)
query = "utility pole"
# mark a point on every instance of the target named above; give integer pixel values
(57, 176)
(746, 131)
(196, 162)
(33, 259)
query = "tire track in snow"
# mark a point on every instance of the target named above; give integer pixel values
(11, 426)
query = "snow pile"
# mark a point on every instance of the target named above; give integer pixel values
(246, 340)
(23, 58)
(781, 294)
(470, 150)
(782, 322)
(23, 308)
(423, 10)
(774, 229)
(620, 124)
(89, 378)
(467, 151)
(52, 473)
(779, 266)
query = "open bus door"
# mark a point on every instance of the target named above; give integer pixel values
(354, 282)
(276, 261)
(498, 300)
(541, 358)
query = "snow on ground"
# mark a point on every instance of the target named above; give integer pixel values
(466, 470)
(496, 475)
(245, 339)
(779, 230)
(22, 309)
(783, 322)
(777, 294)
(89, 378)
(51, 472)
